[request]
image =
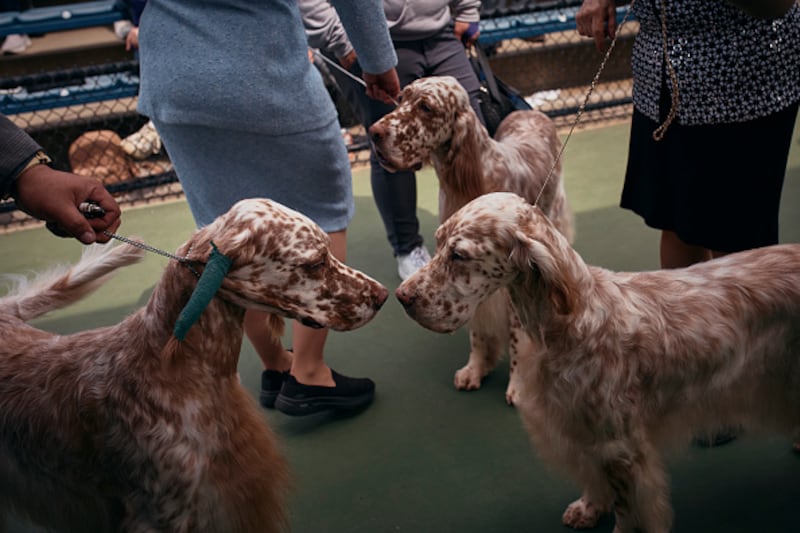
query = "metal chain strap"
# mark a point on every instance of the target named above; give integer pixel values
(582, 107)
(183, 260)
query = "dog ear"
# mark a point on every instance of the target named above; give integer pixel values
(465, 171)
(544, 272)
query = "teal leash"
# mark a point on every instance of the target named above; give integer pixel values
(207, 286)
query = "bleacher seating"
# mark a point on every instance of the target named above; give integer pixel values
(531, 24)
(61, 18)
(522, 19)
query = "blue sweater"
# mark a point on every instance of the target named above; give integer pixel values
(243, 64)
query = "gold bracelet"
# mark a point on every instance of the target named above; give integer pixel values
(39, 158)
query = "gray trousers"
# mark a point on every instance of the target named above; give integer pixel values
(395, 194)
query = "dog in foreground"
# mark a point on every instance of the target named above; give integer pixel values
(435, 122)
(627, 363)
(127, 428)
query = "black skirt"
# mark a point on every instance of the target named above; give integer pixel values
(716, 186)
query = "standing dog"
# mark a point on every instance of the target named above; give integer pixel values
(435, 122)
(627, 362)
(127, 428)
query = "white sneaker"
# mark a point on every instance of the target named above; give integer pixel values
(411, 262)
(16, 43)
(143, 143)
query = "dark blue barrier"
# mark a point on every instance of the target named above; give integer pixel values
(60, 18)
(533, 24)
(50, 90)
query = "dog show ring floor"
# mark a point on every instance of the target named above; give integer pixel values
(426, 457)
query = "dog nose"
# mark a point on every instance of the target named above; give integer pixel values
(405, 296)
(380, 296)
(376, 132)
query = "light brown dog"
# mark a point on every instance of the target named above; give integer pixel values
(127, 428)
(435, 122)
(627, 362)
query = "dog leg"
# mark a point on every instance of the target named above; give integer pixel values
(520, 347)
(641, 500)
(595, 502)
(483, 357)
(583, 513)
(488, 337)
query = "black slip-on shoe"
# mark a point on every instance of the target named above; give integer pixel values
(271, 383)
(296, 399)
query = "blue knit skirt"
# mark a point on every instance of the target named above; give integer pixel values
(308, 172)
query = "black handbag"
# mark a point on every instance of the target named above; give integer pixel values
(497, 99)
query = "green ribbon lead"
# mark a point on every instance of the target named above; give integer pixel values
(207, 286)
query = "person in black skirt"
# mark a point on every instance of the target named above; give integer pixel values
(712, 181)
(716, 86)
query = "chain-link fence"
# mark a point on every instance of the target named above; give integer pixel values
(81, 106)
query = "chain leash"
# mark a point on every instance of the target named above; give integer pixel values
(582, 107)
(185, 261)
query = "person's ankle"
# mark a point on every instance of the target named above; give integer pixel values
(317, 376)
(279, 363)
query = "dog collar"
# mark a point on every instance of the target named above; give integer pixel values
(207, 286)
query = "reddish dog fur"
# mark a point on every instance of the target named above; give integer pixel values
(125, 428)
(435, 122)
(628, 363)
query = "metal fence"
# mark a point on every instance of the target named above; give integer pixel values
(79, 107)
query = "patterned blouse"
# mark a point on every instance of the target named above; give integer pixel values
(730, 67)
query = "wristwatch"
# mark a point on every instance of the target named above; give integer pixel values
(39, 158)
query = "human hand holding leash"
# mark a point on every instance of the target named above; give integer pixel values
(54, 197)
(384, 87)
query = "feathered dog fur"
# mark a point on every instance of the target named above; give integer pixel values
(435, 122)
(627, 362)
(124, 428)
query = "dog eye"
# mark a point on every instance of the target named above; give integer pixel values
(313, 266)
(455, 255)
(425, 108)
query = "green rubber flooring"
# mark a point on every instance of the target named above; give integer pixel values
(426, 457)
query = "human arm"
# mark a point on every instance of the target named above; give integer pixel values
(384, 87)
(466, 14)
(365, 25)
(325, 30)
(132, 39)
(597, 19)
(52, 195)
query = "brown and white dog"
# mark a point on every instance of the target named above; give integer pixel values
(627, 362)
(434, 121)
(126, 428)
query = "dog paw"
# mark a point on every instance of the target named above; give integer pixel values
(581, 514)
(468, 378)
(512, 396)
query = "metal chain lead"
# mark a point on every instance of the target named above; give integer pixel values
(582, 107)
(183, 260)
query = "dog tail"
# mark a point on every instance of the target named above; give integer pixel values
(60, 286)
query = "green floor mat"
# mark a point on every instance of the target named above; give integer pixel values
(426, 457)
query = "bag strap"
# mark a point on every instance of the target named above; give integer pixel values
(483, 61)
